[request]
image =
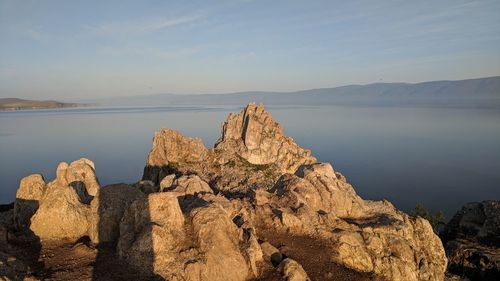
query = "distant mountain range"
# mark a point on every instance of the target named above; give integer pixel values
(481, 92)
(9, 104)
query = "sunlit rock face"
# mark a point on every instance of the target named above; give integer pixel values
(64, 208)
(203, 214)
(290, 194)
(255, 136)
(170, 146)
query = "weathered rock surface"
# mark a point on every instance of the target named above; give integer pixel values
(64, 210)
(472, 241)
(256, 137)
(200, 244)
(291, 194)
(367, 236)
(190, 185)
(28, 195)
(293, 271)
(205, 214)
(63, 213)
(167, 182)
(106, 211)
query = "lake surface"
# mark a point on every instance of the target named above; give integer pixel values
(439, 157)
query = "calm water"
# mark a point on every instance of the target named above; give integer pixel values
(440, 157)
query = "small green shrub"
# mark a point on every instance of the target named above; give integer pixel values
(435, 219)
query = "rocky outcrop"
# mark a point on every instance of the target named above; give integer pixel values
(472, 241)
(28, 195)
(59, 209)
(367, 236)
(169, 150)
(199, 243)
(256, 137)
(64, 210)
(210, 214)
(106, 211)
(293, 195)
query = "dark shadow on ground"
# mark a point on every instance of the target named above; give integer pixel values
(19, 247)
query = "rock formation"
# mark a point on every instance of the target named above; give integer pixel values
(30, 192)
(257, 206)
(64, 209)
(472, 241)
(290, 194)
(253, 135)
(106, 211)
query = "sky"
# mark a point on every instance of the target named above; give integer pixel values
(90, 49)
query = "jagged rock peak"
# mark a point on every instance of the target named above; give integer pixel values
(256, 137)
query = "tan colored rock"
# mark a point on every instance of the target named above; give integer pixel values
(265, 183)
(61, 214)
(151, 231)
(268, 250)
(169, 150)
(333, 194)
(191, 184)
(218, 238)
(252, 250)
(293, 271)
(64, 210)
(107, 209)
(28, 196)
(83, 171)
(253, 135)
(170, 146)
(154, 235)
(167, 182)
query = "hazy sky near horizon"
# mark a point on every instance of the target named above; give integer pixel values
(89, 49)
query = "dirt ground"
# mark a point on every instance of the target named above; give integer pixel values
(82, 261)
(312, 254)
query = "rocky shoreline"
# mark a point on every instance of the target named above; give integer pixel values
(255, 207)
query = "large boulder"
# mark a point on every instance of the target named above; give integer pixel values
(107, 209)
(28, 196)
(170, 149)
(62, 214)
(256, 137)
(200, 244)
(472, 241)
(64, 209)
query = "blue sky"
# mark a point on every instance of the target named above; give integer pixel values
(78, 49)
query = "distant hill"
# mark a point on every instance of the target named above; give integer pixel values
(481, 92)
(20, 104)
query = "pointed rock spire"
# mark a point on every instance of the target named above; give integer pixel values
(255, 136)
